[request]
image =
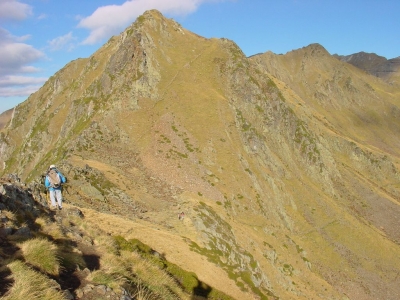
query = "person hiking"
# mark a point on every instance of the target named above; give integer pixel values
(53, 181)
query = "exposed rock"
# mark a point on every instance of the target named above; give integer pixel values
(101, 292)
(74, 212)
(68, 295)
(23, 231)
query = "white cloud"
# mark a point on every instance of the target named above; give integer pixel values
(112, 19)
(8, 81)
(62, 42)
(42, 17)
(14, 10)
(19, 86)
(15, 56)
(22, 38)
(24, 91)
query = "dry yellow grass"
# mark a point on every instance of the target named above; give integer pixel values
(153, 276)
(41, 254)
(47, 227)
(31, 285)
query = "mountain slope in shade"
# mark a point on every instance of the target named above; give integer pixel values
(379, 66)
(286, 166)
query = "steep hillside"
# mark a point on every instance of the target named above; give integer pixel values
(286, 166)
(357, 106)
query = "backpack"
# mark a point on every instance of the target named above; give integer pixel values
(54, 178)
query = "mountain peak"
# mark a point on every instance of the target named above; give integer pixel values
(153, 13)
(316, 49)
(362, 56)
(153, 16)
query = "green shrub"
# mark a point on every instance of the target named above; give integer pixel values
(100, 277)
(132, 245)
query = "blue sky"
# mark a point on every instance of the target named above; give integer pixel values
(39, 37)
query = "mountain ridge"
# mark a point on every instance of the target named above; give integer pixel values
(379, 66)
(283, 193)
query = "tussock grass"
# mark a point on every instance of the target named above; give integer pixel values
(145, 277)
(142, 293)
(113, 272)
(41, 254)
(106, 243)
(11, 219)
(91, 230)
(156, 279)
(113, 281)
(31, 285)
(47, 228)
(71, 258)
(130, 264)
(42, 221)
(9, 215)
(160, 276)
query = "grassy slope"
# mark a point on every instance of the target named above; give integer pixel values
(367, 107)
(317, 218)
(170, 244)
(98, 249)
(336, 226)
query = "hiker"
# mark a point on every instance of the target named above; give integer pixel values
(53, 181)
(181, 216)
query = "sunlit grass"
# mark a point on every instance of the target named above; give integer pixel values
(41, 254)
(153, 276)
(113, 272)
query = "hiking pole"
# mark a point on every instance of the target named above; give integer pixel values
(66, 186)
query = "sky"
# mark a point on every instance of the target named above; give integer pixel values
(39, 37)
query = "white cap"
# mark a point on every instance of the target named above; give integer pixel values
(52, 167)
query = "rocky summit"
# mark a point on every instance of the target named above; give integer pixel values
(269, 177)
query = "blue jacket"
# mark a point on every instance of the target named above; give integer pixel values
(47, 182)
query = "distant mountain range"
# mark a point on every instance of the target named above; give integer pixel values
(287, 167)
(374, 64)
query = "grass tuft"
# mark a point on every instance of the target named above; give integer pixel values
(41, 254)
(29, 284)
